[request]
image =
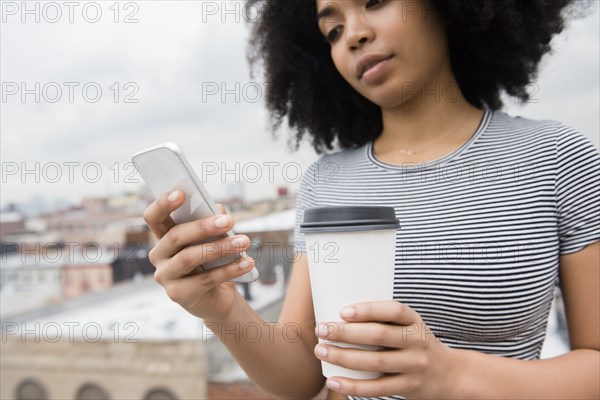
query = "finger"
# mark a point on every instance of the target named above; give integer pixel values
(221, 208)
(369, 333)
(188, 259)
(381, 311)
(187, 233)
(384, 361)
(188, 288)
(392, 385)
(158, 214)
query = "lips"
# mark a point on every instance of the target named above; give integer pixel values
(368, 61)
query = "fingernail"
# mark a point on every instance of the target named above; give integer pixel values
(245, 264)
(333, 385)
(347, 312)
(240, 241)
(174, 196)
(321, 351)
(222, 221)
(322, 330)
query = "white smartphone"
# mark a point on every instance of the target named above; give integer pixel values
(164, 168)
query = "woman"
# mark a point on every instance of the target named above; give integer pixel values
(495, 211)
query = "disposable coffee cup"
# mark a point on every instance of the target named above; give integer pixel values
(351, 259)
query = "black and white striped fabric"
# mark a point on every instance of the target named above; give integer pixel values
(482, 229)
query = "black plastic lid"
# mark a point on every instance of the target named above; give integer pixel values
(348, 218)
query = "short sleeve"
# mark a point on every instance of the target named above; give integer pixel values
(577, 190)
(305, 199)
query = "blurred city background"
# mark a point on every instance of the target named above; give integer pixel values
(87, 84)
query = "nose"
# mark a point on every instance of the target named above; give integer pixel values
(357, 32)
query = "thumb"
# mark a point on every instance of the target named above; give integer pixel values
(221, 208)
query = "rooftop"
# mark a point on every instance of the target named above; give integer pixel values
(280, 221)
(138, 309)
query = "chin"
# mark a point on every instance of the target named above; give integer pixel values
(388, 100)
(388, 94)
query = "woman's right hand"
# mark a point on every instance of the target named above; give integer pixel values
(207, 294)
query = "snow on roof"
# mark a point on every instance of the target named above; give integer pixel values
(280, 221)
(131, 311)
(13, 216)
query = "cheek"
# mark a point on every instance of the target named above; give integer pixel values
(343, 66)
(430, 44)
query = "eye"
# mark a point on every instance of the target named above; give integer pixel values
(373, 3)
(332, 35)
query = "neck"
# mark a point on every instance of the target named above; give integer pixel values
(434, 111)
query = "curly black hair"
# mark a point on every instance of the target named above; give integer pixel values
(494, 45)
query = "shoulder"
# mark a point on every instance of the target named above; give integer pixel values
(533, 134)
(517, 125)
(524, 126)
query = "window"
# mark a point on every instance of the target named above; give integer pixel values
(90, 391)
(11, 276)
(160, 394)
(31, 390)
(26, 276)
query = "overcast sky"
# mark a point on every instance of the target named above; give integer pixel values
(161, 77)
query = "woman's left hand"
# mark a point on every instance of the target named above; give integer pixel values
(415, 363)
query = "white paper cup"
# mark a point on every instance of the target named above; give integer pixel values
(351, 259)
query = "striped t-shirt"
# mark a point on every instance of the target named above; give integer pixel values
(482, 228)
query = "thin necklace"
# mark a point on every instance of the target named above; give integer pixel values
(410, 152)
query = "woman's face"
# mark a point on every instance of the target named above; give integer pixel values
(406, 34)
